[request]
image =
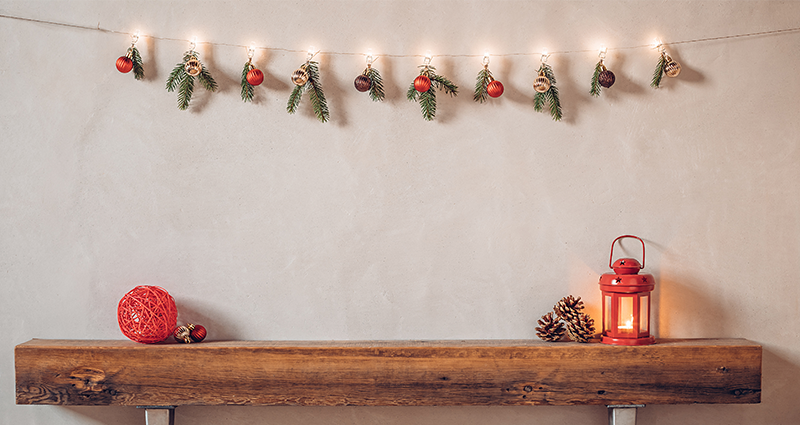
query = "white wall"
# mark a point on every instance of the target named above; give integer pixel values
(379, 225)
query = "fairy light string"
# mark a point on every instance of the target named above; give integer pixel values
(323, 52)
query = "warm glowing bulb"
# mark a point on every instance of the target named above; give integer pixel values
(486, 59)
(603, 51)
(193, 43)
(428, 57)
(545, 55)
(251, 51)
(369, 56)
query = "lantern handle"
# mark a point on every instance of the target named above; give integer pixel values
(611, 259)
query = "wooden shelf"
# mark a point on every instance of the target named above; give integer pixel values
(386, 373)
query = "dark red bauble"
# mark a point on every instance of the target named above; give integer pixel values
(198, 333)
(606, 78)
(255, 77)
(422, 84)
(124, 64)
(362, 83)
(495, 89)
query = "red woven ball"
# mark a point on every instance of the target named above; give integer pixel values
(147, 314)
(124, 64)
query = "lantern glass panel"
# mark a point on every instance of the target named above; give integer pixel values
(644, 314)
(607, 313)
(625, 318)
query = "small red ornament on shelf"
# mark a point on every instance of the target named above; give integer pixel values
(422, 84)
(189, 333)
(124, 64)
(495, 89)
(147, 314)
(255, 76)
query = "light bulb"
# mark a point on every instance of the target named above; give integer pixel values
(486, 59)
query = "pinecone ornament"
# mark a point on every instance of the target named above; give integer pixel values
(550, 328)
(568, 308)
(581, 329)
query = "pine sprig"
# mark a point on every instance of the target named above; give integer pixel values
(294, 99)
(595, 90)
(248, 91)
(658, 74)
(550, 96)
(136, 58)
(376, 92)
(179, 79)
(481, 83)
(427, 99)
(315, 94)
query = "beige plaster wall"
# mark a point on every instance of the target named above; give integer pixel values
(378, 225)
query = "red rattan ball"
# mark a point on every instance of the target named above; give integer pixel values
(124, 64)
(147, 314)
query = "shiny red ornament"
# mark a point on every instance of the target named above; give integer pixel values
(606, 78)
(198, 333)
(626, 301)
(255, 77)
(422, 84)
(147, 314)
(495, 89)
(124, 64)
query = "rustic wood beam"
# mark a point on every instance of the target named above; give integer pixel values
(387, 373)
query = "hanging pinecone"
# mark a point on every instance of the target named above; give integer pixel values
(581, 329)
(550, 328)
(568, 308)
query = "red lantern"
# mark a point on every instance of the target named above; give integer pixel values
(626, 301)
(422, 84)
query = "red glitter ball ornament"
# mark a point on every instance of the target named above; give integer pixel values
(189, 333)
(495, 89)
(124, 64)
(147, 314)
(255, 77)
(362, 83)
(198, 333)
(422, 84)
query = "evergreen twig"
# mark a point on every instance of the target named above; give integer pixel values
(376, 92)
(248, 91)
(184, 83)
(659, 71)
(136, 58)
(315, 94)
(427, 99)
(481, 83)
(550, 96)
(595, 90)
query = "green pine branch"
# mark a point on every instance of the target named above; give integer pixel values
(595, 90)
(136, 58)
(427, 100)
(376, 92)
(481, 83)
(184, 83)
(658, 74)
(185, 90)
(248, 91)
(294, 99)
(550, 96)
(315, 94)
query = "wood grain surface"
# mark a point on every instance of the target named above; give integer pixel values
(387, 373)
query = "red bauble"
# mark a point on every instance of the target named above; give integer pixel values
(255, 77)
(147, 314)
(198, 333)
(495, 89)
(124, 64)
(606, 78)
(422, 84)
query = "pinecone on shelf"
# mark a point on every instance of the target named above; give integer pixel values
(550, 328)
(581, 329)
(568, 308)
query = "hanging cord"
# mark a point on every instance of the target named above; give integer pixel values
(282, 49)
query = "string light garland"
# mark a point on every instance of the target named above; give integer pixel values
(323, 52)
(306, 77)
